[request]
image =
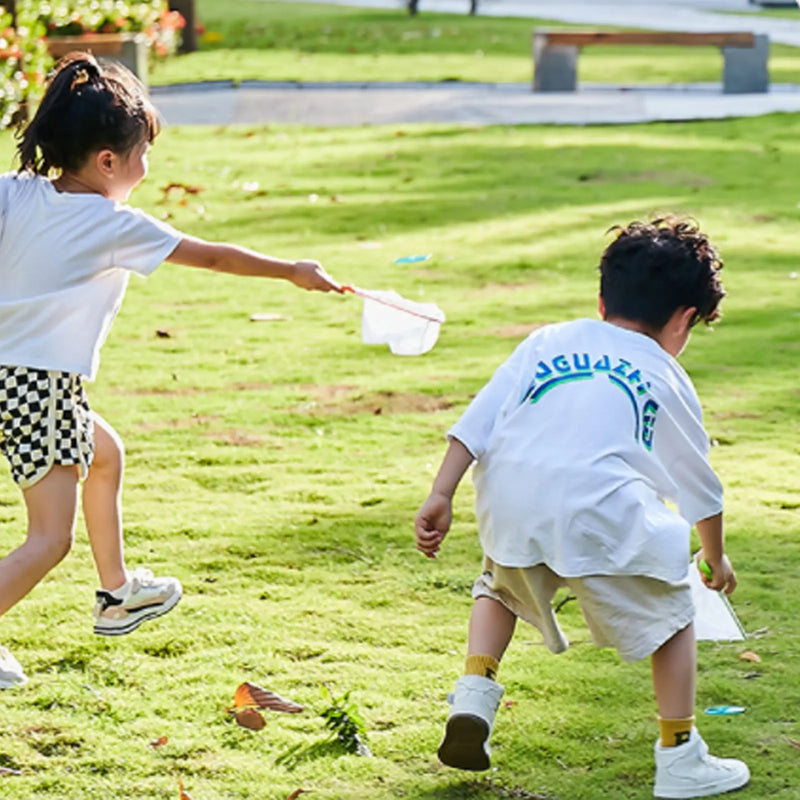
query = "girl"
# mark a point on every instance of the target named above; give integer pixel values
(67, 247)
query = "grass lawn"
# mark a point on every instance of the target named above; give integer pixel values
(275, 468)
(256, 40)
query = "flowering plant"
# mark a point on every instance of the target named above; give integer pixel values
(24, 62)
(78, 17)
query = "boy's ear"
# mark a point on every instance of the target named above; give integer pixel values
(685, 318)
(105, 161)
(674, 335)
(601, 306)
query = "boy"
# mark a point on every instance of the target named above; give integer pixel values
(580, 437)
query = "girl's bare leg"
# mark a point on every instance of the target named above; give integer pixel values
(102, 505)
(51, 504)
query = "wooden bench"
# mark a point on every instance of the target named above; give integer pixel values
(555, 55)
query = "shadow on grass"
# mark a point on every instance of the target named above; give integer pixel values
(485, 787)
(300, 754)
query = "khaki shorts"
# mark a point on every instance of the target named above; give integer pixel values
(44, 420)
(633, 614)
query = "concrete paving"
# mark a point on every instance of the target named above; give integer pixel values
(474, 104)
(322, 104)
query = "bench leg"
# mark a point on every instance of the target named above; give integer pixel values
(134, 55)
(555, 67)
(746, 69)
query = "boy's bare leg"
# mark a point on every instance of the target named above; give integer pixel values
(491, 626)
(684, 767)
(51, 504)
(102, 505)
(674, 667)
(477, 694)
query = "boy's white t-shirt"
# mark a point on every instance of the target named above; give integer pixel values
(582, 438)
(65, 260)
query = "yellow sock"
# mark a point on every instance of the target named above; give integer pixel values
(675, 731)
(486, 666)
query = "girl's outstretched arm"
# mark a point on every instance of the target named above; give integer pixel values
(230, 258)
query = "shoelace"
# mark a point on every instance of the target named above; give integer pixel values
(141, 578)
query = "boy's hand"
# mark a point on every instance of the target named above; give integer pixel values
(723, 578)
(312, 276)
(432, 523)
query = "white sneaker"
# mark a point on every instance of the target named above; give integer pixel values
(11, 673)
(473, 707)
(689, 771)
(148, 597)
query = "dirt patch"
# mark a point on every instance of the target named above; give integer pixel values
(331, 392)
(348, 401)
(158, 391)
(494, 289)
(254, 386)
(517, 331)
(180, 424)
(236, 438)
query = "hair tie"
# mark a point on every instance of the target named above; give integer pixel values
(81, 76)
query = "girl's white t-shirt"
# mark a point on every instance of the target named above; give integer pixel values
(65, 260)
(591, 455)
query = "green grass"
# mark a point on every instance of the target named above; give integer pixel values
(782, 12)
(275, 468)
(255, 40)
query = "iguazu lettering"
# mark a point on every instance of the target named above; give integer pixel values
(565, 368)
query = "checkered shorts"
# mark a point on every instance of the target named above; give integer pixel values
(44, 420)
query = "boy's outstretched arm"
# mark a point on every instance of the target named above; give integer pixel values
(434, 517)
(221, 257)
(713, 551)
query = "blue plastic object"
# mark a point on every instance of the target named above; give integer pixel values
(412, 259)
(724, 711)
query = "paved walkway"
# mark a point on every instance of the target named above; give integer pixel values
(363, 103)
(476, 104)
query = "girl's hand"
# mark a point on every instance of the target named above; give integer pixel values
(311, 275)
(432, 523)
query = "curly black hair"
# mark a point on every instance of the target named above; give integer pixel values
(652, 269)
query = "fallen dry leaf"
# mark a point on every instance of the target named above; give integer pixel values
(250, 695)
(794, 744)
(268, 317)
(181, 187)
(250, 718)
(9, 771)
(184, 795)
(296, 793)
(160, 742)
(749, 655)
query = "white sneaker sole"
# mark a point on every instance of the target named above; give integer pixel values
(136, 618)
(734, 783)
(4, 684)
(464, 743)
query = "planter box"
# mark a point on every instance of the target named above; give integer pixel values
(130, 49)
